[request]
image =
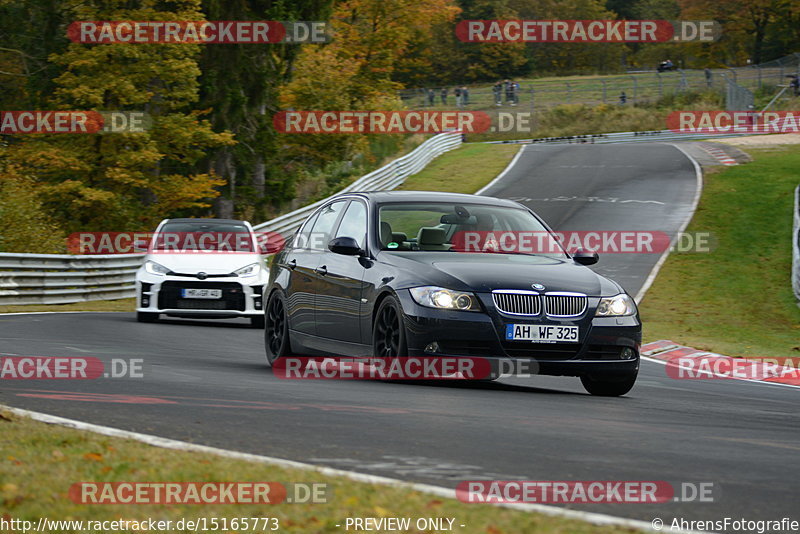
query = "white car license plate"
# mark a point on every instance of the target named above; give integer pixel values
(193, 293)
(537, 333)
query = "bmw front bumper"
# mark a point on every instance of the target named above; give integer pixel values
(606, 346)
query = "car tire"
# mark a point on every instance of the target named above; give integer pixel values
(388, 331)
(258, 321)
(146, 317)
(276, 328)
(609, 386)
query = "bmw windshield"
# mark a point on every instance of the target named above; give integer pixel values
(439, 226)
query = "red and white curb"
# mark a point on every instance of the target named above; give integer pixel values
(688, 362)
(719, 154)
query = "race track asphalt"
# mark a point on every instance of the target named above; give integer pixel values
(208, 382)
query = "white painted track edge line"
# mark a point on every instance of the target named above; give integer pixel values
(502, 174)
(166, 443)
(695, 201)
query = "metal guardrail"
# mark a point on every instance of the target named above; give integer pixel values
(63, 278)
(796, 245)
(624, 137)
(387, 177)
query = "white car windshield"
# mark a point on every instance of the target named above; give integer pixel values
(207, 236)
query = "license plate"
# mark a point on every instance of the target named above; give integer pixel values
(191, 293)
(542, 333)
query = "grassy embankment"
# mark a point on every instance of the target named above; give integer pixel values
(40, 462)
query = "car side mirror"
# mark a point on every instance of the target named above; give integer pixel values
(585, 257)
(347, 246)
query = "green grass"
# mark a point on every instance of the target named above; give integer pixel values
(40, 462)
(736, 300)
(464, 170)
(120, 305)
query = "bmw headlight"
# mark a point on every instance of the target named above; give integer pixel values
(155, 268)
(444, 299)
(616, 306)
(248, 270)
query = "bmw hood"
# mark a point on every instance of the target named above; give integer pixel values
(486, 272)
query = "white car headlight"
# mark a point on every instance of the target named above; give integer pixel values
(444, 299)
(616, 306)
(155, 268)
(248, 270)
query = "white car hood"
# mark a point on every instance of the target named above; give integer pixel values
(211, 263)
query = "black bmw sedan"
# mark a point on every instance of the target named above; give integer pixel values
(413, 274)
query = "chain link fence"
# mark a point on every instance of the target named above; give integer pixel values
(632, 88)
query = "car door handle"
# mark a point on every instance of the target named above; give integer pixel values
(292, 264)
(321, 270)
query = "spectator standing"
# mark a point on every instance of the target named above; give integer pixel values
(623, 98)
(709, 78)
(497, 90)
(459, 100)
(795, 84)
(509, 88)
(443, 94)
(464, 95)
(431, 97)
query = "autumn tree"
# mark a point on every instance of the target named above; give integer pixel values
(355, 71)
(125, 180)
(750, 27)
(239, 84)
